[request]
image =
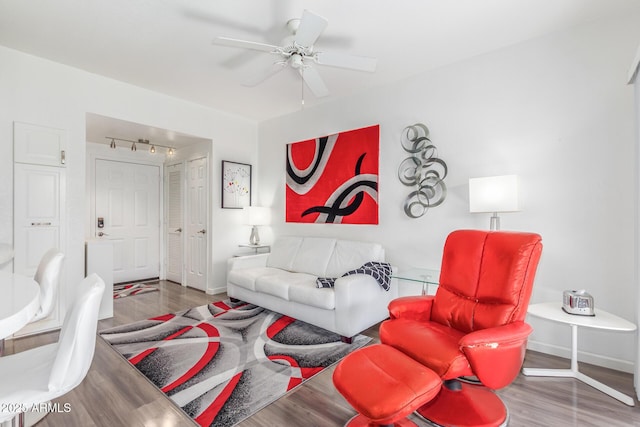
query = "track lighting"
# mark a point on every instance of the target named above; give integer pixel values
(134, 145)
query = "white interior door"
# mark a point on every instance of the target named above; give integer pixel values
(38, 222)
(174, 176)
(128, 207)
(196, 226)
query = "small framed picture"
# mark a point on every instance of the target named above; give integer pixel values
(236, 185)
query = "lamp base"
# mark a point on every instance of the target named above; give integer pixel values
(254, 239)
(495, 222)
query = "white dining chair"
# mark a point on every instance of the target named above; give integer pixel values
(36, 376)
(48, 277)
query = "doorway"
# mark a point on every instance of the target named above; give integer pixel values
(177, 234)
(187, 213)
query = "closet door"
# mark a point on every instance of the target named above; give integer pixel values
(38, 224)
(39, 205)
(196, 224)
(174, 176)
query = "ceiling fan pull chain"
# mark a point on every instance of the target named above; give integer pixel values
(302, 86)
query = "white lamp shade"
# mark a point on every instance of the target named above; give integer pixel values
(494, 194)
(257, 215)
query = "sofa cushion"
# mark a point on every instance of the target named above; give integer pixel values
(283, 251)
(306, 293)
(278, 284)
(246, 277)
(313, 255)
(349, 255)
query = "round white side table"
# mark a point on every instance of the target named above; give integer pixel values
(602, 320)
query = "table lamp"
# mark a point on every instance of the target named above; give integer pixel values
(494, 194)
(256, 215)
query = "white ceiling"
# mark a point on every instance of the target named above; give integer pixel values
(166, 45)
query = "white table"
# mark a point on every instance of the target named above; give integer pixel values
(19, 302)
(602, 320)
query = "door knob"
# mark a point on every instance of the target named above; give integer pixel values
(202, 231)
(178, 230)
(100, 234)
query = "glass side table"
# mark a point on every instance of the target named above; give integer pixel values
(256, 248)
(425, 276)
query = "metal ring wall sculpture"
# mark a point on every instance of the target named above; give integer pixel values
(422, 170)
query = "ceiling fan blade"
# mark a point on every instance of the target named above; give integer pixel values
(263, 74)
(314, 82)
(310, 28)
(344, 60)
(226, 41)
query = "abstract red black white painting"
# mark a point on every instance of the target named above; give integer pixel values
(334, 179)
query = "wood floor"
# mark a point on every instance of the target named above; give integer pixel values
(115, 394)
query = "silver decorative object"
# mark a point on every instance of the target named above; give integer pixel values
(422, 170)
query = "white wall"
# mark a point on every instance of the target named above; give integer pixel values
(556, 111)
(39, 91)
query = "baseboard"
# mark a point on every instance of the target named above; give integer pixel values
(583, 356)
(219, 290)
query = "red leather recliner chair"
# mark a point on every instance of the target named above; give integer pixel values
(473, 326)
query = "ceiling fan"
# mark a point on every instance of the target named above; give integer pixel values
(297, 51)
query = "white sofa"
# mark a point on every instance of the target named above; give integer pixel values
(284, 281)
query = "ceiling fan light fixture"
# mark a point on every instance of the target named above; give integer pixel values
(296, 61)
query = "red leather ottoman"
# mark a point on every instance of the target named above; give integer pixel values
(384, 385)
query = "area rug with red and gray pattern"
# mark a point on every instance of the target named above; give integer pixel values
(223, 362)
(122, 290)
